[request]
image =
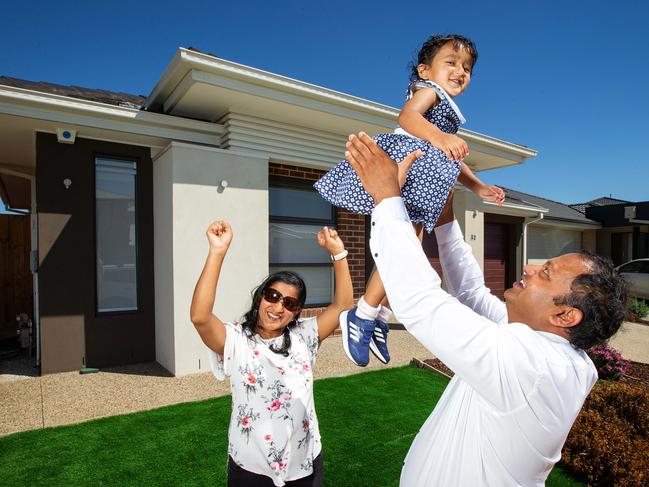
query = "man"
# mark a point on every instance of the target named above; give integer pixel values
(521, 375)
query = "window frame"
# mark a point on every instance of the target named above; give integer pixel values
(300, 184)
(138, 297)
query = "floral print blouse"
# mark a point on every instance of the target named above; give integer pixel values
(273, 427)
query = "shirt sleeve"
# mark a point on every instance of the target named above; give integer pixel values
(464, 276)
(307, 330)
(222, 364)
(474, 347)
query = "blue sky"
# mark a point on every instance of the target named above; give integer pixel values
(568, 79)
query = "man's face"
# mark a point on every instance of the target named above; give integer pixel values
(531, 300)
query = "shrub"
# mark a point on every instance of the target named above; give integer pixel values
(609, 441)
(609, 362)
(638, 309)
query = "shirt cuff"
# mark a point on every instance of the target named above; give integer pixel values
(390, 209)
(448, 232)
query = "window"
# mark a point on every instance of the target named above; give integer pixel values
(297, 213)
(116, 235)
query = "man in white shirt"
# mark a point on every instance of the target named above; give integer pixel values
(521, 375)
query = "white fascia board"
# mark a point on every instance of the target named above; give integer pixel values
(513, 209)
(62, 109)
(189, 66)
(549, 222)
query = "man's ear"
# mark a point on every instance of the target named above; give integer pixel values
(566, 316)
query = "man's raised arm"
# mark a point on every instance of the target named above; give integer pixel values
(468, 343)
(461, 271)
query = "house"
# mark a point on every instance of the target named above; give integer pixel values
(121, 188)
(625, 227)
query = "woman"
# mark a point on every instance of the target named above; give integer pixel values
(269, 357)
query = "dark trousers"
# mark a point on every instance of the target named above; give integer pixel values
(238, 477)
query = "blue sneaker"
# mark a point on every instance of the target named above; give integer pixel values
(379, 342)
(357, 334)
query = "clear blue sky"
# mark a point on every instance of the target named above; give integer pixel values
(569, 79)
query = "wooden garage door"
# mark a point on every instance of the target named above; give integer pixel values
(495, 257)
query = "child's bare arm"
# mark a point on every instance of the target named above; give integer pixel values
(411, 119)
(470, 181)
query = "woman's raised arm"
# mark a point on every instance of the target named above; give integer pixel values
(210, 328)
(343, 295)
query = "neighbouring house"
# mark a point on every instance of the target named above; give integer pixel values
(120, 189)
(625, 227)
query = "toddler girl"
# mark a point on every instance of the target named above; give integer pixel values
(428, 122)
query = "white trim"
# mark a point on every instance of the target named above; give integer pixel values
(220, 72)
(549, 222)
(513, 209)
(83, 113)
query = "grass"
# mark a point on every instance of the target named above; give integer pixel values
(186, 444)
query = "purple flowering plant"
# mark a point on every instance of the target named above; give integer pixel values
(609, 362)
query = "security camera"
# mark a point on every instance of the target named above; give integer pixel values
(66, 136)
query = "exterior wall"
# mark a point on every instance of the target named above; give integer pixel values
(73, 334)
(350, 226)
(194, 174)
(163, 259)
(469, 213)
(589, 240)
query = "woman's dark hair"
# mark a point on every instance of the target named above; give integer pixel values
(601, 295)
(434, 44)
(251, 318)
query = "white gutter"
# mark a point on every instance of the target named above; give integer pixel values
(526, 222)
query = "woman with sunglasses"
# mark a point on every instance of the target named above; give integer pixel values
(269, 357)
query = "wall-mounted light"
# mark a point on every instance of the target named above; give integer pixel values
(67, 183)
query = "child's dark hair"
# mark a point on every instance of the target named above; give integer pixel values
(251, 318)
(435, 43)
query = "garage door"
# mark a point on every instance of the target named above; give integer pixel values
(495, 257)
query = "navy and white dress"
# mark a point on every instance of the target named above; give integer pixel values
(430, 178)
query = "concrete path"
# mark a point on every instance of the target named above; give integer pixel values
(633, 342)
(52, 400)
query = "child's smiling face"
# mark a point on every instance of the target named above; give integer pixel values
(450, 68)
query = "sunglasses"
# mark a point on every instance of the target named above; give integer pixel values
(273, 296)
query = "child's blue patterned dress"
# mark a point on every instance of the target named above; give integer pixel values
(429, 180)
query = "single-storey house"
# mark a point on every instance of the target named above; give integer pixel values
(120, 189)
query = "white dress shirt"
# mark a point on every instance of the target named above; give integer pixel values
(504, 417)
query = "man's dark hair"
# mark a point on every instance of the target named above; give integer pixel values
(251, 318)
(601, 295)
(434, 43)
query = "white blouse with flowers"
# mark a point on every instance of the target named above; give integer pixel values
(273, 428)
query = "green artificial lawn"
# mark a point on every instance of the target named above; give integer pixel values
(367, 422)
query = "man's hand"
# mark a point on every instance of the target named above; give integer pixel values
(404, 166)
(377, 172)
(447, 215)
